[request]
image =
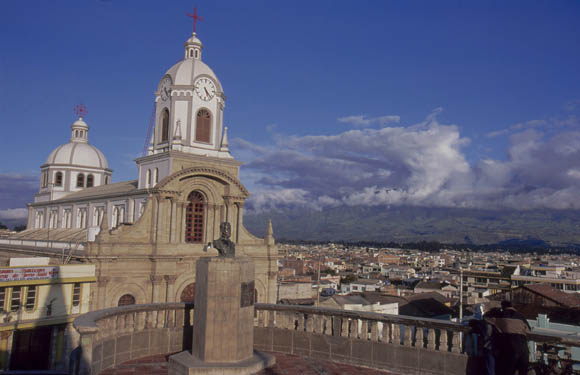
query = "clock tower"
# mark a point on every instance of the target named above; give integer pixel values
(189, 127)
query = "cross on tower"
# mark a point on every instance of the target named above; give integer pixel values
(81, 110)
(195, 18)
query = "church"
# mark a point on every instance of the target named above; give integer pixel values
(144, 236)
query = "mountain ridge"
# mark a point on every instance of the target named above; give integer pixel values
(409, 224)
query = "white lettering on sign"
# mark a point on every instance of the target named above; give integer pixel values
(28, 273)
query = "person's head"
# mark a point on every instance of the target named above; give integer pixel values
(226, 230)
(506, 304)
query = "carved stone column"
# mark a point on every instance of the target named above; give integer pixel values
(170, 288)
(156, 285)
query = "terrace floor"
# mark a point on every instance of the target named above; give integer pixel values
(286, 364)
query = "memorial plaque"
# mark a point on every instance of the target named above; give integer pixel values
(247, 295)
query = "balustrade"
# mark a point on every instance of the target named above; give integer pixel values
(112, 336)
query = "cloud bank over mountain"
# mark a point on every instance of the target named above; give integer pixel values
(423, 164)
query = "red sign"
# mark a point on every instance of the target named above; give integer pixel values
(28, 273)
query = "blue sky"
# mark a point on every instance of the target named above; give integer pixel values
(461, 103)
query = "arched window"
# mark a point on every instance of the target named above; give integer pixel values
(58, 179)
(203, 126)
(80, 180)
(148, 178)
(165, 126)
(155, 176)
(194, 219)
(106, 180)
(126, 299)
(188, 294)
(90, 180)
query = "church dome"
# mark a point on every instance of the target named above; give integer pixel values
(78, 151)
(191, 67)
(78, 154)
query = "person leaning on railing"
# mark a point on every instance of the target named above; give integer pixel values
(511, 339)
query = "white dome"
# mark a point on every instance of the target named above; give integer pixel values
(186, 71)
(78, 154)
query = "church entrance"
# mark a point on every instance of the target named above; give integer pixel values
(31, 349)
(188, 294)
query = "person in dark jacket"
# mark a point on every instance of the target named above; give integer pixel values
(511, 340)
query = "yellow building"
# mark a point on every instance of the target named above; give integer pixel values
(38, 303)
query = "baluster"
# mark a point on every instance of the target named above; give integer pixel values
(353, 329)
(140, 320)
(455, 342)
(179, 319)
(443, 346)
(271, 318)
(149, 319)
(283, 320)
(336, 322)
(290, 321)
(364, 330)
(261, 317)
(386, 336)
(408, 335)
(419, 337)
(327, 325)
(161, 319)
(115, 323)
(130, 322)
(374, 330)
(396, 334)
(171, 318)
(300, 326)
(318, 324)
(310, 323)
(344, 327)
(431, 344)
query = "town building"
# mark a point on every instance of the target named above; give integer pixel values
(38, 303)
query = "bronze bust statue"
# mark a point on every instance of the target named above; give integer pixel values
(224, 245)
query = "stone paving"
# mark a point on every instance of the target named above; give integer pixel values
(286, 364)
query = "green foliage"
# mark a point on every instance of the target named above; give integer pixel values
(19, 228)
(2, 226)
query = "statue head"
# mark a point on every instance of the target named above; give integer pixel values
(225, 230)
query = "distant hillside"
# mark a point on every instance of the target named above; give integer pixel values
(409, 224)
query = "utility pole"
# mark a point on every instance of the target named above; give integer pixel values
(318, 284)
(460, 294)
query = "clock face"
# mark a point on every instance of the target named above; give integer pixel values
(165, 88)
(205, 89)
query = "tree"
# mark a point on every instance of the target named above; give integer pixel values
(2, 226)
(19, 228)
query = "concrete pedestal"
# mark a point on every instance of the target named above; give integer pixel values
(223, 321)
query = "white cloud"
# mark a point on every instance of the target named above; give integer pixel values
(422, 164)
(14, 214)
(363, 121)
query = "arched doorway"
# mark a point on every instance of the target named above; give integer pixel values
(126, 299)
(188, 294)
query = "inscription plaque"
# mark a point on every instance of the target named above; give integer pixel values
(247, 295)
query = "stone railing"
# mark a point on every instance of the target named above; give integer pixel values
(392, 342)
(57, 245)
(112, 336)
